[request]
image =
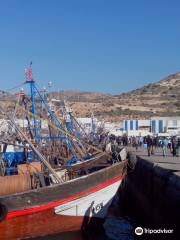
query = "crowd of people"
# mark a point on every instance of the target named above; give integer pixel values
(171, 144)
(167, 145)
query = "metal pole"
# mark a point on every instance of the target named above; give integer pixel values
(33, 93)
(21, 134)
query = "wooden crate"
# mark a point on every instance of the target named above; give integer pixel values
(34, 167)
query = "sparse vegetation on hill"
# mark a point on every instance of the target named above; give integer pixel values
(157, 99)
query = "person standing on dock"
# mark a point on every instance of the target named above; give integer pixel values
(135, 142)
(164, 147)
(173, 146)
(149, 145)
(178, 148)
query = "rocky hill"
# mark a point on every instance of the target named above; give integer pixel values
(161, 98)
(157, 99)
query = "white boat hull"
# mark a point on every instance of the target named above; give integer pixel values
(95, 204)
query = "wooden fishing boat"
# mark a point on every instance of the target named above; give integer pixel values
(62, 207)
(38, 197)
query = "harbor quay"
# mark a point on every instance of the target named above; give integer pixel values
(151, 191)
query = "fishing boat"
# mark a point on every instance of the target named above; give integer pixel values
(47, 187)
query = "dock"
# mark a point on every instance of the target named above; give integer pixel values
(152, 188)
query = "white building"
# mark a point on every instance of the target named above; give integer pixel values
(113, 128)
(170, 125)
(156, 125)
(88, 124)
(137, 127)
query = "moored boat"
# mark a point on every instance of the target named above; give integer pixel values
(52, 179)
(62, 207)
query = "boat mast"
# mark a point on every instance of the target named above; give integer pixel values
(30, 80)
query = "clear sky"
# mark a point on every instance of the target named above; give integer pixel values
(109, 46)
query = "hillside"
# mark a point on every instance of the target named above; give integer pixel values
(157, 99)
(161, 98)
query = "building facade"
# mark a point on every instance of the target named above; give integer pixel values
(170, 125)
(137, 127)
(155, 125)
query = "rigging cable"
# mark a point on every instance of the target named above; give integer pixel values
(15, 87)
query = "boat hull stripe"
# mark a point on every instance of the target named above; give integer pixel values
(62, 201)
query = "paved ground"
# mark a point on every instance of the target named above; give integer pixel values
(169, 162)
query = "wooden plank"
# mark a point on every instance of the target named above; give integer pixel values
(14, 184)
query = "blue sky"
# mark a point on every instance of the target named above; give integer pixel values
(109, 46)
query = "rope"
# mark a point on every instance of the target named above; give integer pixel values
(64, 131)
(21, 134)
(15, 87)
(16, 106)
